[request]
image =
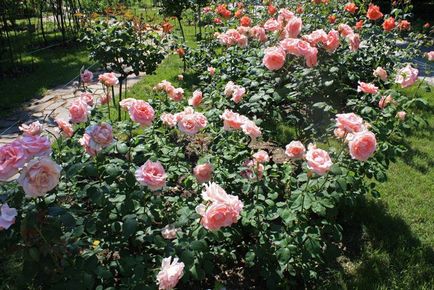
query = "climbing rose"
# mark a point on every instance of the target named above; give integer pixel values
(318, 160)
(349, 122)
(380, 73)
(142, 112)
(274, 58)
(108, 79)
(374, 12)
(170, 273)
(406, 76)
(39, 177)
(261, 156)
(203, 172)
(65, 127)
(152, 175)
(12, 158)
(79, 111)
(7, 216)
(351, 7)
(295, 150)
(389, 24)
(367, 88)
(36, 145)
(86, 76)
(31, 129)
(362, 145)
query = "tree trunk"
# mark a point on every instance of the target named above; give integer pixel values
(41, 18)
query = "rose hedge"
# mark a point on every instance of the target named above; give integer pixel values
(200, 196)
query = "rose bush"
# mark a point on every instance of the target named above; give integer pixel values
(176, 196)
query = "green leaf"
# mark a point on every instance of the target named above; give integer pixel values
(129, 227)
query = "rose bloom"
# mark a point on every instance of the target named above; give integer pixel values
(271, 9)
(211, 70)
(238, 94)
(253, 169)
(243, 41)
(232, 121)
(238, 13)
(401, 115)
(127, 103)
(427, 25)
(349, 122)
(295, 150)
(196, 99)
(339, 133)
(168, 119)
(31, 129)
(261, 156)
(332, 42)
(229, 89)
(318, 160)
(272, 25)
(389, 24)
(170, 273)
(293, 27)
(374, 12)
(245, 21)
(188, 124)
(79, 111)
(203, 172)
(258, 33)
(351, 7)
(331, 19)
(316, 37)
(249, 128)
(86, 76)
(274, 58)
(381, 73)
(35, 145)
(362, 145)
(354, 40)
(39, 177)
(87, 98)
(177, 94)
(7, 216)
(359, 25)
(404, 25)
(12, 158)
(167, 27)
(406, 76)
(217, 20)
(180, 51)
(152, 174)
(142, 112)
(169, 232)
(430, 55)
(384, 101)
(367, 88)
(101, 134)
(311, 57)
(65, 127)
(244, 30)
(108, 79)
(284, 15)
(345, 30)
(105, 99)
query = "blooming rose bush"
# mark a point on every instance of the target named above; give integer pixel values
(196, 190)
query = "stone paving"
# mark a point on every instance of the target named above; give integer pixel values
(54, 104)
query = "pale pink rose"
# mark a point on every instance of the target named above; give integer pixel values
(253, 169)
(316, 37)
(258, 33)
(296, 47)
(39, 177)
(188, 124)
(245, 30)
(272, 25)
(96, 138)
(295, 150)
(229, 89)
(35, 145)
(293, 27)
(384, 101)
(274, 58)
(261, 156)
(285, 15)
(12, 158)
(401, 115)
(224, 39)
(177, 94)
(196, 99)
(201, 120)
(170, 273)
(381, 73)
(86, 142)
(249, 128)
(203, 172)
(362, 145)
(311, 57)
(430, 55)
(211, 70)
(105, 99)
(142, 112)
(31, 129)
(345, 30)
(163, 86)
(187, 111)
(108, 79)
(318, 160)
(79, 111)
(168, 119)
(234, 36)
(152, 174)
(340, 133)
(232, 121)
(7, 216)
(406, 76)
(65, 127)
(243, 41)
(86, 76)
(216, 194)
(238, 94)
(354, 41)
(367, 88)
(127, 103)
(332, 42)
(349, 122)
(180, 77)
(87, 98)
(169, 232)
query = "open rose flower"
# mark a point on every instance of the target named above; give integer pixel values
(39, 177)
(169, 232)
(318, 160)
(96, 138)
(87, 98)
(127, 103)
(249, 128)
(261, 156)
(7, 216)
(381, 73)
(170, 273)
(152, 175)
(374, 12)
(168, 119)
(430, 55)
(254, 169)
(86, 76)
(142, 112)
(315, 37)
(211, 70)
(203, 172)
(367, 88)
(332, 42)
(258, 33)
(36, 145)
(65, 127)
(354, 41)
(31, 129)
(406, 76)
(105, 99)
(238, 93)
(79, 111)
(272, 25)
(345, 30)
(108, 79)
(176, 94)
(12, 158)
(196, 99)
(190, 122)
(384, 101)
(401, 115)
(295, 150)
(274, 58)
(362, 145)
(293, 27)
(232, 121)
(351, 7)
(404, 25)
(350, 122)
(389, 24)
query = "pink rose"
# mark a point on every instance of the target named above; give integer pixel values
(367, 88)
(293, 27)
(261, 156)
(381, 73)
(332, 42)
(295, 150)
(245, 30)
(105, 99)
(168, 119)
(35, 145)
(430, 55)
(142, 112)
(86, 76)
(296, 47)
(272, 25)
(188, 124)
(311, 57)
(354, 41)
(196, 99)
(253, 169)
(176, 94)
(216, 194)
(169, 232)
(232, 121)
(340, 133)
(316, 37)
(362, 145)
(406, 76)
(203, 172)
(274, 58)
(152, 174)
(96, 138)
(39, 177)
(127, 103)
(79, 111)
(258, 33)
(65, 127)
(285, 15)
(7, 216)
(108, 79)
(384, 101)
(12, 158)
(229, 89)
(401, 115)
(31, 129)
(349, 122)
(170, 273)
(345, 30)
(249, 128)
(238, 94)
(211, 70)
(243, 41)
(87, 144)
(87, 98)
(318, 160)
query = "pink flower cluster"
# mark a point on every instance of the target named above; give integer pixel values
(176, 94)
(188, 121)
(170, 273)
(318, 160)
(152, 175)
(96, 138)
(255, 167)
(234, 91)
(7, 216)
(221, 209)
(234, 121)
